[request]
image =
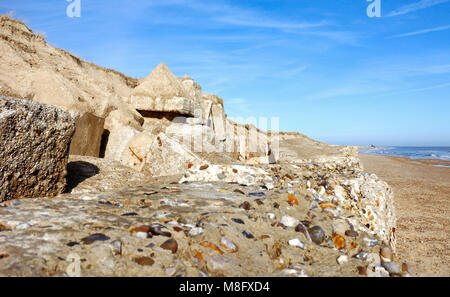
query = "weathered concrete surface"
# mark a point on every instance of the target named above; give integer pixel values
(115, 222)
(88, 134)
(34, 147)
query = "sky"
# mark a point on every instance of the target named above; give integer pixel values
(324, 68)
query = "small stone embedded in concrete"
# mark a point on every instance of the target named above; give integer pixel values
(229, 245)
(156, 230)
(361, 255)
(351, 233)
(297, 243)
(317, 234)
(256, 194)
(170, 245)
(239, 221)
(245, 205)
(144, 261)
(248, 234)
(117, 247)
(386, 254)
(392, 267)
(195, 231)
(342, 259)
(94, 237)
(289, 221)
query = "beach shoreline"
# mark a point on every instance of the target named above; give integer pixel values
(421, 198)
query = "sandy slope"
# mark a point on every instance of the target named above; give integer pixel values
(422, 201)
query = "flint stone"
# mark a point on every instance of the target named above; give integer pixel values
(34, 148)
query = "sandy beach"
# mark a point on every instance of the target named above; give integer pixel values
(422, 194)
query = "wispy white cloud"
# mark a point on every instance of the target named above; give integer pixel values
(415, 6)
(430, 87)
(261, 22)
(441, 28)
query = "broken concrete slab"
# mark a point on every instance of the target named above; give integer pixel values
(34, 148)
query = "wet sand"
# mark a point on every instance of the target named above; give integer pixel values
(422, 202)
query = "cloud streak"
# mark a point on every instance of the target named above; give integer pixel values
(415, 6)
(422, 31)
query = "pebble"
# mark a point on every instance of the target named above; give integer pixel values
(129, 214)
(239, 191)
(362, 255)
(141, 234)
(297, 243)
(212, 246)
(302, 228)
(386, 254)
(378, 271)
(391, 267)
(117, 247)
(245, 205)
(145, 261)
(292, 200)
(150, 245)
(239, 221)
(295, 271)
(317, 234)
(270, 215)
(4, 256)
(248, 234)
(94, 237)
(170, 245)
(24, 226)
(405, 268)
(196, 231)
(170, 271)
(221, 176)
(73, 243)
(203, 167)
(4, 227)
(339, 241)
(289, 221)
(342, 259)
(229, 245)
(351, 233)
(371, 242)
(362, 270)
(259, 201)
(156, 230)
(256, 194)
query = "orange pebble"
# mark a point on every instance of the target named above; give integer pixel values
(199, 256)
(293, 199)
(326, 204)
(212, 246)
(339, 241)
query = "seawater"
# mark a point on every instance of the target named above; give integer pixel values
(412, 152)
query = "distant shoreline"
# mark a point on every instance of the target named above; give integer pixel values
(428, 162)
(435, 156)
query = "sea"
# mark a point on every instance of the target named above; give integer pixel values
(412, 152)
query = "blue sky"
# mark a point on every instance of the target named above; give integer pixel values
(323, 67)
